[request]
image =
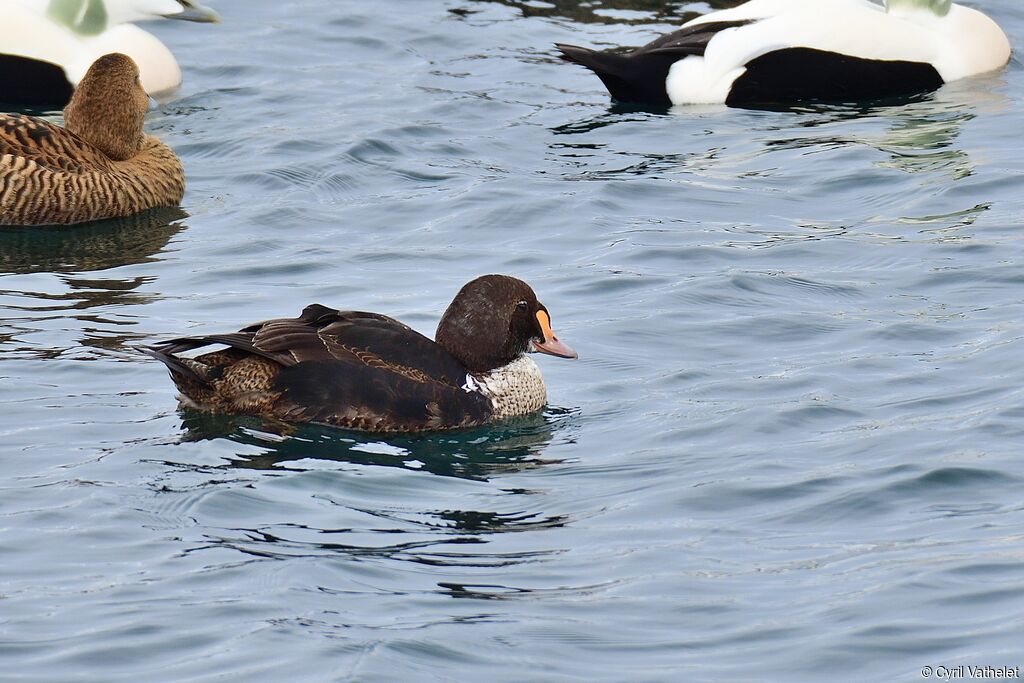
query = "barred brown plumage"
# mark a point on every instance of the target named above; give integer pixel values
(100, 165)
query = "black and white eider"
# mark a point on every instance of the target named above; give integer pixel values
(785, 51)
(46, 46)
(370, 372)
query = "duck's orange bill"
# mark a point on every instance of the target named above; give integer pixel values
(551, 345)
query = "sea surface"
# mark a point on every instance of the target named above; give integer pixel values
(792, 448)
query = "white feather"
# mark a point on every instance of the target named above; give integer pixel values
(29, 32)
(962, 43)
(470, 385)
(513, 389)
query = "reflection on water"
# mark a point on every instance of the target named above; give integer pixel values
(611, 11)
(799, 418)
(51, 284)
(479, 454)
(415, 528)
(435, 548)
(491, 591)
(77, 294)
(89, 247)
(920, 134)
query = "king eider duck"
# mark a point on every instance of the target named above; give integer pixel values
(46, 46)
(369, 372)
(787, 51)
(100, 165)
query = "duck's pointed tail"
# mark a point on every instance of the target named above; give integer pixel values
(181, 369)
(627, 77)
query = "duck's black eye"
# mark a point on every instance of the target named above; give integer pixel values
(523, 305)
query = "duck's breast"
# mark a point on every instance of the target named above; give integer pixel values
(972, 44)
(514, 389)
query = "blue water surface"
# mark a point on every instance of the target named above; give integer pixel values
(790, 449)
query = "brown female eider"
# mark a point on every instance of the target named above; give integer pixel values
(370, 372)
(100, 165)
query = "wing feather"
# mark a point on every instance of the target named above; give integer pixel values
(344, 368)
(48, 145)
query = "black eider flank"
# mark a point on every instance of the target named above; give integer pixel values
(33, 83)
(639, 76)
(802, 74)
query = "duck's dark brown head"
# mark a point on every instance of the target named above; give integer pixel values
(108, 107)
(495, 319)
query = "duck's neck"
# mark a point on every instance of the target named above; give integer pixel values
(939, 8)
(117, 142)
(84, 17)
(513, 389)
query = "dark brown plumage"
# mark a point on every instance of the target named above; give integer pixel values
(100, 165)
(370, 372)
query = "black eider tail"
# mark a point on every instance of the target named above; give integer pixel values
(628, 77)
(598, 62)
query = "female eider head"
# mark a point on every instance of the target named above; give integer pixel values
(108, 107)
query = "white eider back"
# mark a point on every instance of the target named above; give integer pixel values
(126, 11)
(513, 389)
(83, 32)
(939, 8)
(92, 17)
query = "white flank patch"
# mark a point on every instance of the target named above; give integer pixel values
(693, 81)
(962, 43)
(470, 385)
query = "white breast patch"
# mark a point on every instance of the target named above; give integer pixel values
(513, 389)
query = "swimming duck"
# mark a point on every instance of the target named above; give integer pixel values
(100, 165)
(46, 46)
(369, 372)
(786, 51)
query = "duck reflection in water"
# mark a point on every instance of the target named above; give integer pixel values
(607, 12)
(72, 258)
(507, 447)
(921, 134)
(441, 536)
(88, 247)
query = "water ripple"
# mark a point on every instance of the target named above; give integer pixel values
(795, 418)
